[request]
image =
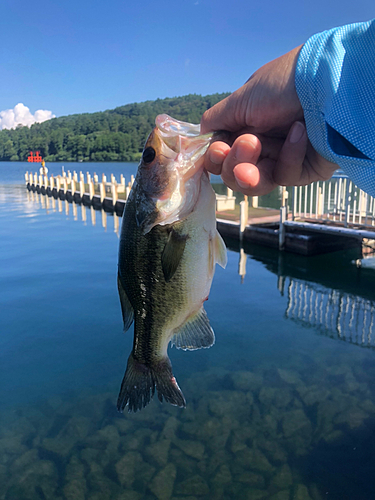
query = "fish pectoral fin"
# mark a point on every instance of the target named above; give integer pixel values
(195, 333)
(172, 254)
(219, 250)
(126, 307)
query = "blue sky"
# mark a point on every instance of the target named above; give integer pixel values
(76, 56)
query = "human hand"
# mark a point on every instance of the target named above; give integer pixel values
(267, 143)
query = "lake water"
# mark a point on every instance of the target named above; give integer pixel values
(282, 407)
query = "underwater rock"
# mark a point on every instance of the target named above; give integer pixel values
(296, 421)
(194, 485)
(75, 482)
(313, 394)
(100, 487)
(123, 425)
(170, 428)
(282, 480)
(247, 381)
(353, 417)
(24, 460)
(75, 430)
(289, 376)
(38, 480)
(281, 495)
(223, 476)
(194, 449)
(255, 494)
(272, 449)
(11, 446)
(237, 443)
(301, 493)
(277, 397)
(251, 478)
(253, 459)
(129, 495)
(162, 484)
(125, 468)
(159, 451)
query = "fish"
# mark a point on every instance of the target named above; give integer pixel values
(168, 248)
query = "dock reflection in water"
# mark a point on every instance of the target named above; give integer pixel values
(274, 410)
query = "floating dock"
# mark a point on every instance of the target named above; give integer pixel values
(327, 228)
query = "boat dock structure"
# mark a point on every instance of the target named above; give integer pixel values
(322, 217)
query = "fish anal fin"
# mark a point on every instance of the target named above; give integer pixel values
(172, 254)
(140, 381)
(126, 307)
(195, 333)
(219, 250)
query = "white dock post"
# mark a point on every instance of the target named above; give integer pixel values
(31, 179)
(81, 187)
(132, 180)
(282, 228)
(294, 202)
(65, 184)
(114, 192)
(122, 182)
(113, 180)
(26, 177)
(58, 184)
(96, 178)
(73, 186)
(75, 176)
(69, 177)
(254, 201)
(244, 216)
(102, 191)
(91, 190)
(52, 183)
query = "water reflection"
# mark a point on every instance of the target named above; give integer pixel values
(332, 312)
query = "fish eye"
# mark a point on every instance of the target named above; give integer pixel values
(149, 155)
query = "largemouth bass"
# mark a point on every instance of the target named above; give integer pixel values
(169, 246)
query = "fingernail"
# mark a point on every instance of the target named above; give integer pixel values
(296, 133)
(242, 153)
(217, 157)
(243, 185)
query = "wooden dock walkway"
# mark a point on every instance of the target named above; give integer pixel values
(327, 229)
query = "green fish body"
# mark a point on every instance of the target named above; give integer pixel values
(166, 268)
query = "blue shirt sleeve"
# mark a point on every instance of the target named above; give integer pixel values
(335, 82)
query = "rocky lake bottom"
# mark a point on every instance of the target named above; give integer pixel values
(271, 434)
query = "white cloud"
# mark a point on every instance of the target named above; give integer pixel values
(21, 115)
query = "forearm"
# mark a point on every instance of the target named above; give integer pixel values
(335, 82)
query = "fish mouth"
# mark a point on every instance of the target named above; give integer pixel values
(185, 140)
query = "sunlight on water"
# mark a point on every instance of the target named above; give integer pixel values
(282, 406)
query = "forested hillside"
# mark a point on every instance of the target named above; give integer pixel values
(113, 135)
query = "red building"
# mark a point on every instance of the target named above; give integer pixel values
(34, 158)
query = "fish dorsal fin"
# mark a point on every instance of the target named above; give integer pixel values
(172, 254)
(126, 307)
(218, 251)
(195, 333)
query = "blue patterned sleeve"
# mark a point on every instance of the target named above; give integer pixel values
(335, 82)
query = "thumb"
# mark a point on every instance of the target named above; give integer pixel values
(289, 167)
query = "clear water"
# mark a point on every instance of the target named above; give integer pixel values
(282, 406)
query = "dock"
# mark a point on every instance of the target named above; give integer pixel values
(323, 217)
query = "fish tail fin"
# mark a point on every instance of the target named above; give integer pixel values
(140, 380)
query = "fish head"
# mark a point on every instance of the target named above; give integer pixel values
(169, 173)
